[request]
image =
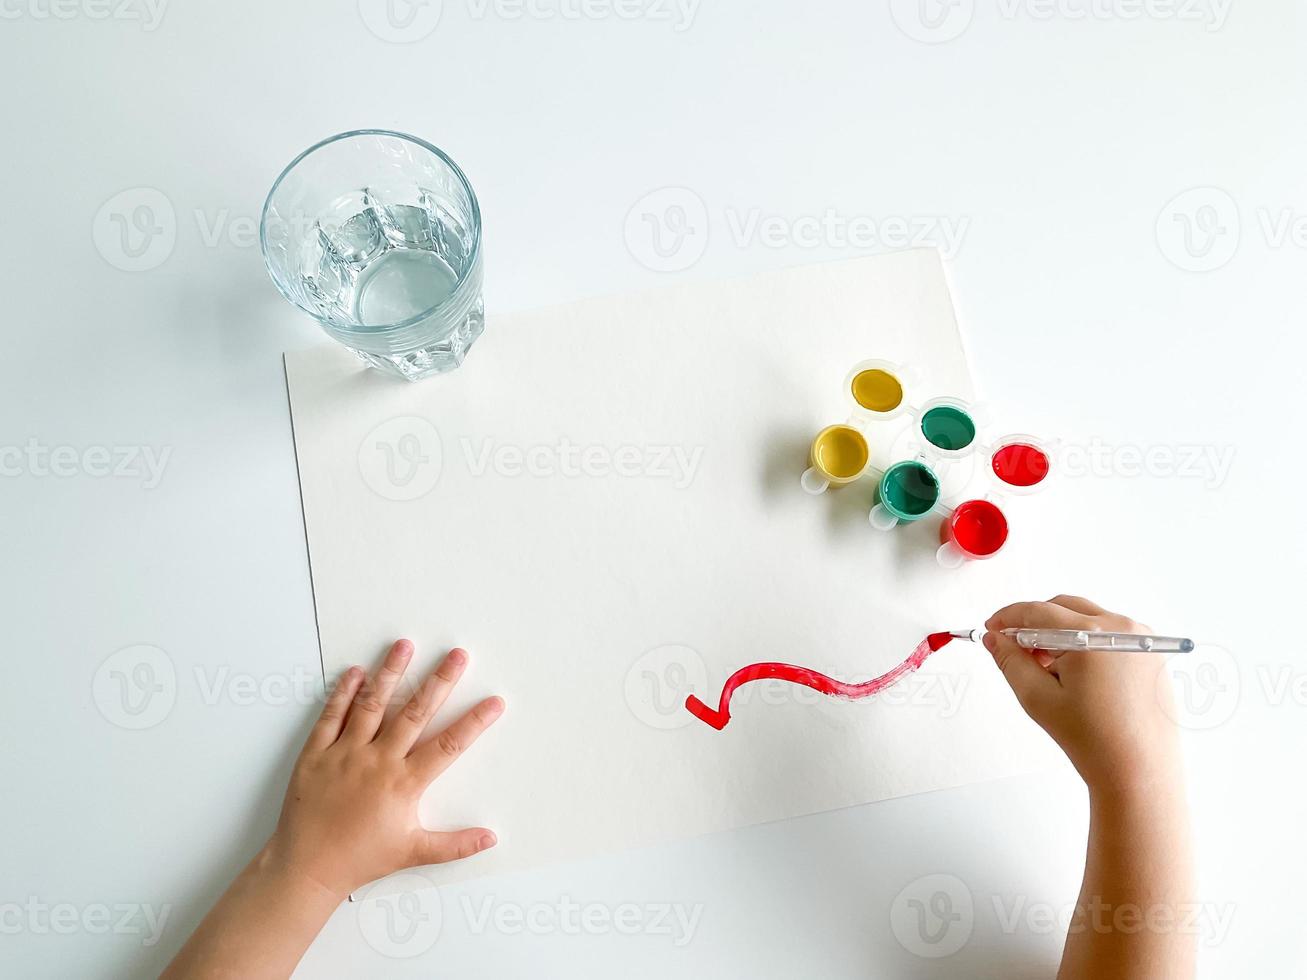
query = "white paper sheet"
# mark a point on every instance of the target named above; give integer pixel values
(603, 506)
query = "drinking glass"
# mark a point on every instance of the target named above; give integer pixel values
(377, 236)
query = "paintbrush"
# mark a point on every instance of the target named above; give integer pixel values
(1064, 641)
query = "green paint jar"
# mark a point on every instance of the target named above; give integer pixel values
(947, 427)
(907, 492)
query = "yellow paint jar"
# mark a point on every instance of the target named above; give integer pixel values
(839, 455)
(877, 390)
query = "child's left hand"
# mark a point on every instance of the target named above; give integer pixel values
(350, 814)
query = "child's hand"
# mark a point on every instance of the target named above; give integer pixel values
(350, 814)
(1104, 709)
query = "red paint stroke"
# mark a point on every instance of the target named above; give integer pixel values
(719, 716)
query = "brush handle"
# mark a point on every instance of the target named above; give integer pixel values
(1064, 641)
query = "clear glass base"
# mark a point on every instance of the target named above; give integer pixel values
(436, 358)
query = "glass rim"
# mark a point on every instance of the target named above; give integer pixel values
(474, 256)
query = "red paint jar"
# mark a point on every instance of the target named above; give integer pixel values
(976, 529)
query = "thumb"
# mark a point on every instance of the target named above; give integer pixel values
(441, 846)
(1033, 685)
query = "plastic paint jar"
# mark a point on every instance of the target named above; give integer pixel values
(1020, 463)
(878, 389)
(907, 492)
(947, 427)
(839, 455)
(976, 529)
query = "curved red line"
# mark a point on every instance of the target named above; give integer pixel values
(719, 716)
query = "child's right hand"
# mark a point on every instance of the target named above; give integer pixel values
(1106, 710)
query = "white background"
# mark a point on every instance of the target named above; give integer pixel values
(1059, 136)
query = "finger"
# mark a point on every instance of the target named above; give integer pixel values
(440, 846)
(1079, 604)
(370, 704)
(327, 728)
(1038, 615)
(438, 753)
(1033, 685)
(407, 726)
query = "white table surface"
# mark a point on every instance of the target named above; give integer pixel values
(1056, 143)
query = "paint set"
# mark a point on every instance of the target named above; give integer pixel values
(944, 436)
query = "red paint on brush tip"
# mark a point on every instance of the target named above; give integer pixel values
(719, 717)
